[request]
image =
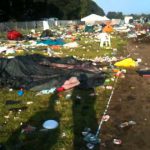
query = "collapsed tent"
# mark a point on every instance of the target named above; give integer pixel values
(37, 72)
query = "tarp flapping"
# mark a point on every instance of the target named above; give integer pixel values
(37, 72)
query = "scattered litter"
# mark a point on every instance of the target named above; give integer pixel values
(28, 129)
(126, 124)
(71, 83)
(139, 60)
(91, 138)
(90, 146)
(46, 91)
(93, 94)
(86, 131)
(10, 90)
(124, 71)
(132, 122)
(57, 102)
(144, 73)
(109, 87)
(11, 102)
(63, 134)
(132, 87)
(60, 95)
(126, 63)
(6, 116)
(112, 79)
(117, 141)
(30, 102)
(16, 118)
(50, 124)
(78, 97)
(43, 130)
(105, 118)
(20, 92)
(94, 63)
(68, 96)
(107, 80)
(119, 74)
(71, 45)
(60, 89)
(18, 109)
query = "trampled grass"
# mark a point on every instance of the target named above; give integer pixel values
(74, 110)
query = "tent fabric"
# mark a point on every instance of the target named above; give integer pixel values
(13, 35)
(51, 42)
(89, 29)
(93, 18)
(37, 72)
(108, 29)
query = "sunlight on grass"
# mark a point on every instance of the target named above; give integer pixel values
(73, 114)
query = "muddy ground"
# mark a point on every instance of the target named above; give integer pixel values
(131, 101)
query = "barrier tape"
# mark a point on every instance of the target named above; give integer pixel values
(107, 106)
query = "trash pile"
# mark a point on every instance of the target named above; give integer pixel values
(37, 62)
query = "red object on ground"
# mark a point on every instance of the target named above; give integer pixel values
(55, 47)
(60, 89)
(146, 75)
(13, 35)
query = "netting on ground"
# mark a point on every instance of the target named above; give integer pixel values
(37, 72)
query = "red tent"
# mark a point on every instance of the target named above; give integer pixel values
(13, 35)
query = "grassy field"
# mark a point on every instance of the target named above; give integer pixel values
(74, 110)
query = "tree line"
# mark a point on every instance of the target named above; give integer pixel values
(120, 15)
(25, 10)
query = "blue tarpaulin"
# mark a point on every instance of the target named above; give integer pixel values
(51, 42)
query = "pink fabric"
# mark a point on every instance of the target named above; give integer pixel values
(72, 82)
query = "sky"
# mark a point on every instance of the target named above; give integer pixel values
(125, 6)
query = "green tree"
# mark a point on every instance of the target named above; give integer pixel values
(115, 15)
(36, 9)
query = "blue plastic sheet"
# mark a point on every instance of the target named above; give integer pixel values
(51, 42)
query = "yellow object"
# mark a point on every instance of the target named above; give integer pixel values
(19, 50)
(126, 63)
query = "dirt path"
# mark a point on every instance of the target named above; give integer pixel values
(131, 101)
